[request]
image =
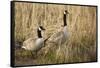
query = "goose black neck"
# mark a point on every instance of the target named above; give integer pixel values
(64, 20)
(39, 33)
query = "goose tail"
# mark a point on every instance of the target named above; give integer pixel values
(17, 45)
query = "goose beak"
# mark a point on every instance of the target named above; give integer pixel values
(43, 29)
(67, 12)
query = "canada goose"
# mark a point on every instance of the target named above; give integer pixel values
(61, 36)
(34, 44)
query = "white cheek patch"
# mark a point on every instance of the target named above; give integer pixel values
(39, 28)
(64, 12)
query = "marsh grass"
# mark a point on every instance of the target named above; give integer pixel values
(81, 43)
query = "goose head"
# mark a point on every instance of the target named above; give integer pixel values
(41, 28)
(66, 12)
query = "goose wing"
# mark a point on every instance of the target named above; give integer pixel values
(56, 37)
(29, 44)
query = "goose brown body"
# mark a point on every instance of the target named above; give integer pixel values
(60, 36)
(34, 44)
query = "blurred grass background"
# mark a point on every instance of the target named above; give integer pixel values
(81, 45)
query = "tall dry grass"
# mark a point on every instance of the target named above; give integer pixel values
(81, 44)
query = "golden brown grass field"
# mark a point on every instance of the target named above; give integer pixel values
(81, 25)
